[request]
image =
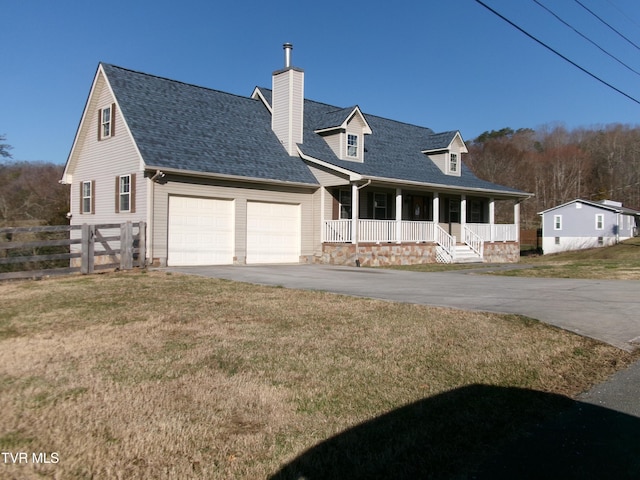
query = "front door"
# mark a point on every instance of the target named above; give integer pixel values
(418, 208)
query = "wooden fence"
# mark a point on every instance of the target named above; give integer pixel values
(27, 252)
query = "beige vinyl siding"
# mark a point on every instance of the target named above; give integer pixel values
(101, 161)
(328, 178)
(308, 199)
(440, 159)
(335, 142)
(288, 106)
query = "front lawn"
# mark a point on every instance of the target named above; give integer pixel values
(153, 375)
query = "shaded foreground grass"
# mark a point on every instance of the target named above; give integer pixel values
(168, 376)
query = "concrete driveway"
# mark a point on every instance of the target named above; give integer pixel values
(608, 310)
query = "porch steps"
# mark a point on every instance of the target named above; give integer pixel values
(464, 254)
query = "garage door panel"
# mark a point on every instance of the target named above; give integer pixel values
(273, 233)
(201, 231)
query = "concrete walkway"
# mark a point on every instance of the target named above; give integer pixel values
(607, 310)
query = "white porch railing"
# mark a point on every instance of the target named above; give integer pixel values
(494, 233)
(386, 231)
(378, 231)
(336, 231)
(417, 231)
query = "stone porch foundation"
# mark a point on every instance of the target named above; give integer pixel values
(377, 255)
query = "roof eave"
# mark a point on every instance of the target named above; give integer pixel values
(450, 188)
(223, 176)
(353, 176)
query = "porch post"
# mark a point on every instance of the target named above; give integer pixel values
(322, 234)
(436, 212)
(463, 212)
(398, 215)
(492, 217)
(516, 219)
(355, 206)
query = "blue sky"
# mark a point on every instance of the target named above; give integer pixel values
(447, 65)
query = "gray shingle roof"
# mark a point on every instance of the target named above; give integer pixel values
(393, 151)
(186, 127)
(439, 141)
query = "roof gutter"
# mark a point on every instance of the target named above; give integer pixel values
(222, 176)
(445, 188)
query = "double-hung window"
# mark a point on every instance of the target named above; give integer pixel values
(126, 193)
(124, 196)
(345, 204)
(380, 206)
(86, 194)
(599, 221)
(106, 122)
(557, 222)
(352, 145)
(453, 163)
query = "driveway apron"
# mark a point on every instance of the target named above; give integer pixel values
(607, 310)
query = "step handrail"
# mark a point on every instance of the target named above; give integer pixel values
(475, 241)
(446, 241)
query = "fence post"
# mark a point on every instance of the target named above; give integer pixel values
(88, 243)
(142, 244)
(126, 246)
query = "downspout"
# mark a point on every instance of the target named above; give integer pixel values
(152, 215)
(357, 233)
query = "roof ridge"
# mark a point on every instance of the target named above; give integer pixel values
(363, 112)
(137, 72)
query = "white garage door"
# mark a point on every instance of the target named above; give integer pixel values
(201, 231)
(273, 233)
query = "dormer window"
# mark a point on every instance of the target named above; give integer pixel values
(352, 145)
(453, 163)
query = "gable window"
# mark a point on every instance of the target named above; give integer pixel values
(453, 162)
(125, 193)
(352, 145)
(106, 122)
(599, 221)
(86, 197)
(345, 204)
(557, 222)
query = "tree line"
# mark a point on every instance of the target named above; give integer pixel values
(558, 165)
(31, 195)
(555, 164)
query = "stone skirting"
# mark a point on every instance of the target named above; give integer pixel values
(502, 252)
(377, 255)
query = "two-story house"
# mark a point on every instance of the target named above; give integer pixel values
(274, 177)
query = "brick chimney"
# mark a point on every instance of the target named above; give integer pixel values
(288, 103)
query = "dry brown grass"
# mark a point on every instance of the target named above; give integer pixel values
(168, 376)
(618, 262)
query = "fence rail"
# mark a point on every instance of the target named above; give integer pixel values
(124, 243)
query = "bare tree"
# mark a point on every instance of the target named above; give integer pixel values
(4, 147)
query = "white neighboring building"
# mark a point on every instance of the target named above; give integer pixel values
(580, 224)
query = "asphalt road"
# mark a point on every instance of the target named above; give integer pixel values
(607, 310)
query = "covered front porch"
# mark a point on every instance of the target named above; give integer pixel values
(458, 225)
